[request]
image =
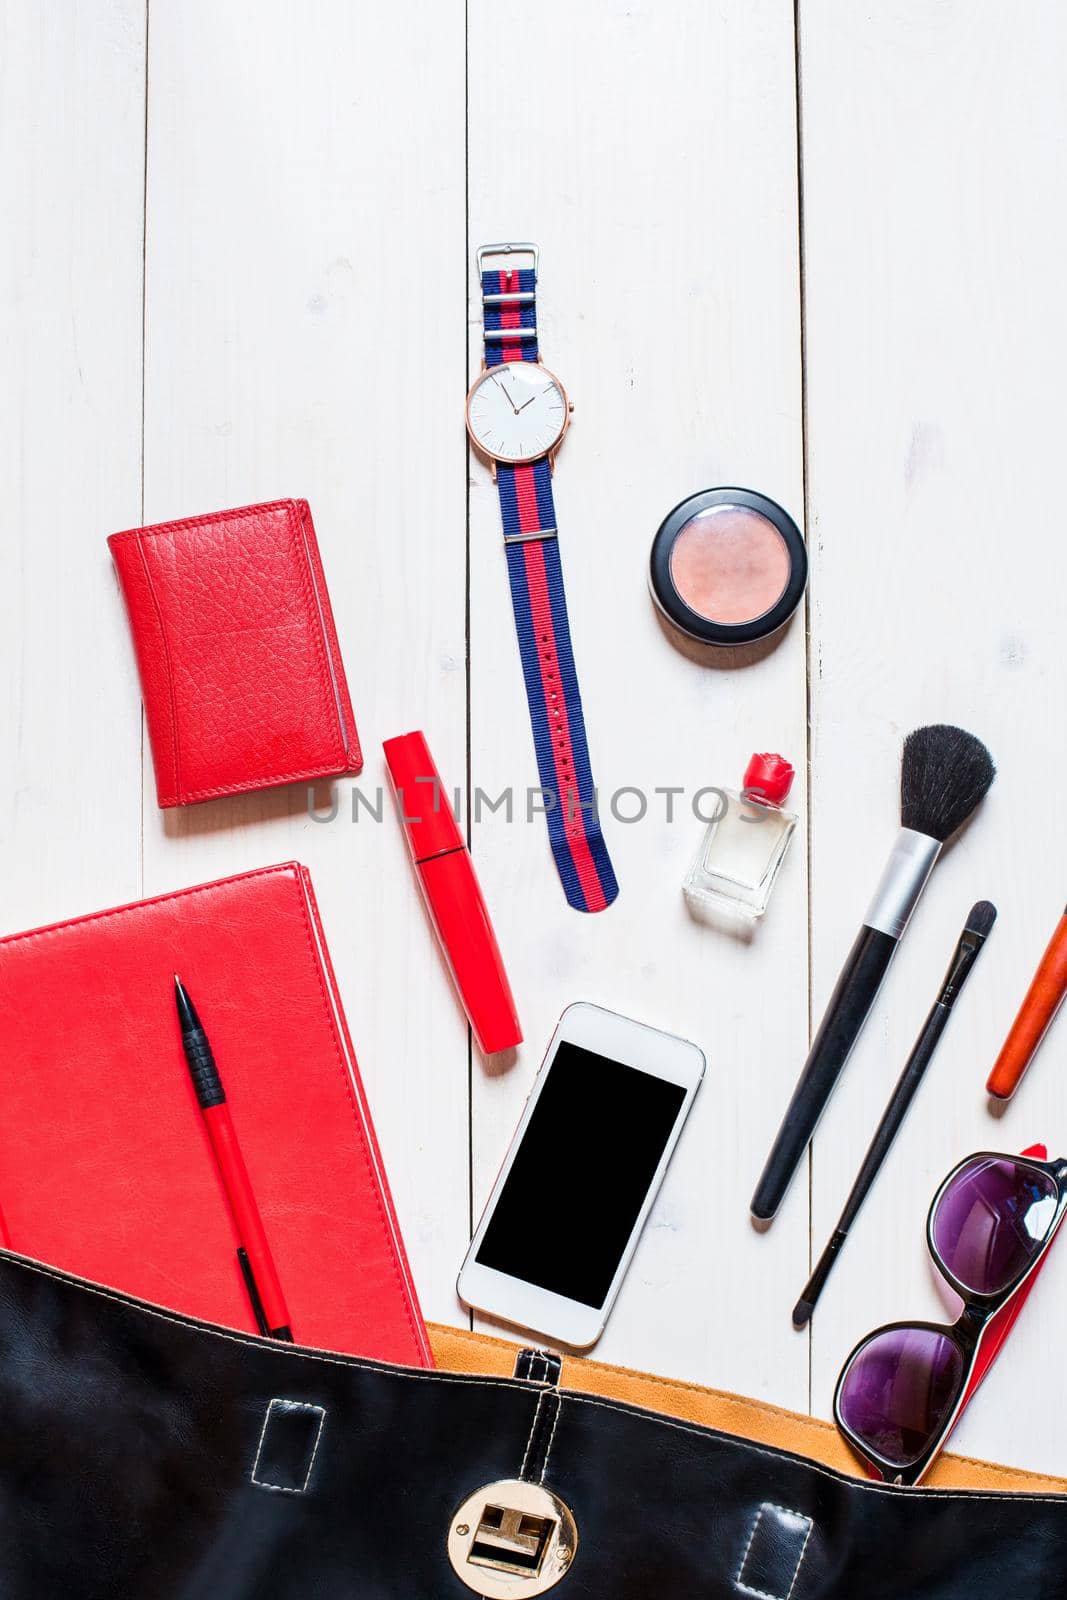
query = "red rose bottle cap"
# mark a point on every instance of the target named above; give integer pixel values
(768, 780)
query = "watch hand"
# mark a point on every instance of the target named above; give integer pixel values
(526, 403)
(507, 397)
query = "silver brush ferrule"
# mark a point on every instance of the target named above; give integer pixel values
(903, 881)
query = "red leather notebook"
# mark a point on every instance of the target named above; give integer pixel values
(241, 672)
(105, 1166)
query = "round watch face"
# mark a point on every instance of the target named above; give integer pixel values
(517, 411)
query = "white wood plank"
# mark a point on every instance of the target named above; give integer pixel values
(934, 142)
(72, 184)
(651, 153)
(306, 247)
(305, 238)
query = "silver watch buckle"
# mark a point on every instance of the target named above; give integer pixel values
(507, 250)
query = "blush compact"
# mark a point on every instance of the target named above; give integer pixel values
(728, 566)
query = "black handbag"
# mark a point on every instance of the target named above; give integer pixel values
(144, 1454)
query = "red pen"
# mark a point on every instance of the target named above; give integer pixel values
(452, 893)
(253, 1252)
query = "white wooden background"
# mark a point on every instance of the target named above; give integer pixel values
(819, 254)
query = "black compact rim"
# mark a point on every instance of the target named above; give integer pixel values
(691, 622)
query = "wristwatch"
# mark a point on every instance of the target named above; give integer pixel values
(517, 416)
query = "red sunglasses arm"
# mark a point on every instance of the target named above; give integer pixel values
(1004, 1322)
(999, 1330)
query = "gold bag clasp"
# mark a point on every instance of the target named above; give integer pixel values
(512, 1539)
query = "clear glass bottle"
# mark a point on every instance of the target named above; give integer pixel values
(745, 845)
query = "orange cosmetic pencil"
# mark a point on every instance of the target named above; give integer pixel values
(1043, 999)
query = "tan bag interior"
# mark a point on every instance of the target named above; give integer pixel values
(456, 1350)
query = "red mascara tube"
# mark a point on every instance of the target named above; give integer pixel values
(452, 893)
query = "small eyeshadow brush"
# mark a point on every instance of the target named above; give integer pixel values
(944, 774)
(968, 948)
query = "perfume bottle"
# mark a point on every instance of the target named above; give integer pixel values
(746, 841)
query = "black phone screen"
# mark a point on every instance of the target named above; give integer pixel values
(580, 1175)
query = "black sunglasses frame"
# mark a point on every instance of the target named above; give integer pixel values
(980, 1311)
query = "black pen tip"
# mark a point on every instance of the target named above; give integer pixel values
(186, 1010)
(982, 917)
(802, 1313)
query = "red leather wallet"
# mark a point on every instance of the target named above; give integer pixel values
(105, 1165)
(241, 672)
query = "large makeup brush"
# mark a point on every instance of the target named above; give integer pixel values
(944, 774)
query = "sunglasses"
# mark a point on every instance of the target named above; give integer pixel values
(903, 1388)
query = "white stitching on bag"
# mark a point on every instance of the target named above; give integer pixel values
(550, 1388)
(765, 1594)
(533, 1433)
(552, 1436)
(281, 1488)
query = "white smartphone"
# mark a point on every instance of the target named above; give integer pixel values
(577, 1185)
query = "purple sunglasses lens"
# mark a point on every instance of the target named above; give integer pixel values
(992, 1221)
(900, 1391)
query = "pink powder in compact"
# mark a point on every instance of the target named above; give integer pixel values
(730, 565)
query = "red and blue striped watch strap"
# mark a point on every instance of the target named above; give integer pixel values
(540, 606)
(510, 316)
(552, 692)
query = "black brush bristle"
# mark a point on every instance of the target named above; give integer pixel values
(944, 774)
(981, 918)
